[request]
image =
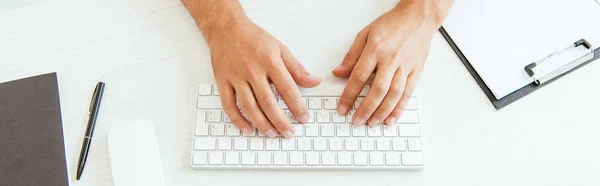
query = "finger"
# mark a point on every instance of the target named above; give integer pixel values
(411, 83)
(268, 104)
(345, 69)
(359, 77)
(228, 100)
(297, 71)
(379, 89)
(391, 99)
(250, 107)
(290, 94)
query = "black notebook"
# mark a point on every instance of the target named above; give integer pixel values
(32, 150)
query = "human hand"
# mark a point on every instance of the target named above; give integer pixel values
(394, 47)
(245, 59)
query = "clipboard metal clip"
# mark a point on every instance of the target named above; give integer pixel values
(531, 71)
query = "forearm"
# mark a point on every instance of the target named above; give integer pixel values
(214, 17)
(432, 12)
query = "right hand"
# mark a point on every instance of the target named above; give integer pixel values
(245, 59)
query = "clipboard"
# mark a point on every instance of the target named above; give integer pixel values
(538, 80)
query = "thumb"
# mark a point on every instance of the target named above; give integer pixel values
(345, 69)
(298, 72)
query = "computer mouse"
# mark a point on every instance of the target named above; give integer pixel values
(134, 155)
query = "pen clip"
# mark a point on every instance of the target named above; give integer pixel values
(93, 97)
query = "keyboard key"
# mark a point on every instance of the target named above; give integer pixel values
(215, 90)
(407, 130)
(232, 130)
(204, 143)
(256, 144)
(350, 115)
(214, 116)
(327, 130)
(264, 158)
(374, 131)
(342, 130)
(330, 103)
(204, 89)
(336, 144)
(359, 131)
(304, 144)
(299, 130)
(376, 158)
(226, 118)
(288, 144)
(323, 117)
(252, 132)
(344, 158)
(412, 104)
(272, 144)
(232, 158)
(240, 144)
(365, 90)
(311, 130)
(390, 131)
(358, 101)
(315, 103)
(412, 158)
(215, 158)
(320, 144)
(290, 116)
(351, 144)
(296, 158)
(201, 126)
(209, 102)
(311, 118)
(392, 158)
(398, 144)
(367, 144)
(199, 158)
(360, 159)
(383, 144)
(409, 116)
(337, 118)
(280, 158)
(414, 145)
(312, 158)
(248, 158)
(328, 158)
(224, 143)
(217, 129)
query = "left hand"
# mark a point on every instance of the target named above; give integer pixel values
(394, 47)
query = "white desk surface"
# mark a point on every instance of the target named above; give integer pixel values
(152, 57)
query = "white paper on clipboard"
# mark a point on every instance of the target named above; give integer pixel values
(499, 38)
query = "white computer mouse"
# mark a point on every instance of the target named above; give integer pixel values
(134, 155)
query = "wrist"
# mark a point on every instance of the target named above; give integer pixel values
(429, 14)
(217, 20)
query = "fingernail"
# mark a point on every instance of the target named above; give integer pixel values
(270, 133)
(391, 121)
(287, 134)
(358, 121)
(304, 119)
(342, 109)
(373, 122)
(245, 131)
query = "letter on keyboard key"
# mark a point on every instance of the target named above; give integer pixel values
(390, 131)
(367, 144)
(343, 130)
(299, 130)
(248, 158)
(215, 158)
(224, 143)
(256, 144)
(296, 158)
(199, 158)
(392, 158)
(312, 115)
(209, 102)
(328, 159)
(409, 116)
(360, 159)
(217, 129)
(204, 143)
(240, 144)
(232, 130)
(344, 159)
(376, 158)
(280, 158)
(304, 144)
(232, 158)
(312, 158)
(290, 116)
(215, 90)
(204, 89)
(312, 130)
(214, 116)
(323, 117)
(337, 118)
(320, 144)
(359, 131)
(264, 158)
(412, 158)
(330, 103)
(272, 144)
(374, 131)
(351, 144)
(288, 144)
(336, 144)
(383, 144)
(415, 145)
(201, 126)
(327, 130)
(398, 144)
(407, 130)
(314, 103)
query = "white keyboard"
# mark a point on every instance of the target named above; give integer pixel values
(327, 142)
